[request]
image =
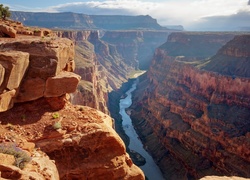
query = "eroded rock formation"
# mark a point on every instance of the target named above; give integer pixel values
(37, 73)
(195, 122)
(81, 140)
(36, 68)
(136, 47)
(69, 20)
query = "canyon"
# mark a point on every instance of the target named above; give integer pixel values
(37, 116)
(191, 109)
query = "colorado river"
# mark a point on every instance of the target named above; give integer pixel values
(150, 169)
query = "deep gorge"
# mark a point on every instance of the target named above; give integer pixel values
(191, 108)
(181, 52)
(195, 122)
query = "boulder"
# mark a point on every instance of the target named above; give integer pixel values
(7, 159)
(65, 82)
(7, 31)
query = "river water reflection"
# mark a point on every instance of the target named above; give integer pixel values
(150, 169)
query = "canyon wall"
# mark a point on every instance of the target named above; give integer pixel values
(93, 87)
(195, 122)
(136, 47)
(100, 66)
(69, 20)
(106, 63)
(37, 117)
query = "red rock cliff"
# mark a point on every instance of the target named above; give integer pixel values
(37, 73)
(195, 122)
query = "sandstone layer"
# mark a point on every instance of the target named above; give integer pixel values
(36, 68)
(194, 122)
(37, 73)
(83, 146)
(136, 47)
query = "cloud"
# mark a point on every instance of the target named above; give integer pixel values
(109, 7)
(234, 22)
(170, 12)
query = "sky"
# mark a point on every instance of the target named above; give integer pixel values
(192, 14)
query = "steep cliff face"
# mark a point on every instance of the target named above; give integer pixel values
(195, 46)
(125, 22)
(37, 73)
(70, 20)
(233, 59)
(100, 66)
(136, 47)
(54, 20)
(195, 122)
(33, 68)
(93, 87)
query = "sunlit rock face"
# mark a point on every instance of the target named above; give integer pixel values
(195, 120)
(36, 68)
(36, 78)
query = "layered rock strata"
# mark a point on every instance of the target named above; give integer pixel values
(37, 73)
(69, 20)
(33, 68)
(95, 78)
(136, 47)
(194, 122)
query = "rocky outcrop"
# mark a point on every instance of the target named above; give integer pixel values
(74, 35)
(80, 140)
(11, 29)
(35, 68)
(194, 122)
(68, 20)
(7, 31)
(21, 160)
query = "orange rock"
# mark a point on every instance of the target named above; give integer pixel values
(8, 31)
(65, 82)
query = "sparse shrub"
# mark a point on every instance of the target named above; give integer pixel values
(36, 30)
(9, 126)
(4, 12)
(23, 117)
(55, 115)
(57, 125)
(21, 157)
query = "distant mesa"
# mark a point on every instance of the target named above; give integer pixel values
(69, 20)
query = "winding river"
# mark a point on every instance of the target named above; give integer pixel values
(150, 169)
